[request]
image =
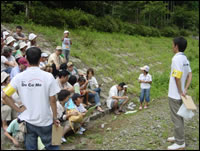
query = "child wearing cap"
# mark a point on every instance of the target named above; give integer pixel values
(145, 81)
(66, 44)
(72, 70)
(43, 61)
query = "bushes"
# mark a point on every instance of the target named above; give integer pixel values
(77, 19)
(106, 24)
(169, 32)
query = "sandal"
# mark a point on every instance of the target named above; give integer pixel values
(100, 109)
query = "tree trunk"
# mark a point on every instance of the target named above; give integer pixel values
(27, 15)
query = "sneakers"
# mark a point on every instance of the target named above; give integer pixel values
(171, 139)
(79, 132)
(82, 129)
(63, 140)
(176, 147)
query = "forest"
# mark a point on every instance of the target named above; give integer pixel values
(146, 18)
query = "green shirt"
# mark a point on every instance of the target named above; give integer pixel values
(13, 128)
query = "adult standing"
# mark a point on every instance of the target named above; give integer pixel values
(180, 79)
(37, 90)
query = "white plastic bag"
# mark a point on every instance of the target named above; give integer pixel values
(185, 113)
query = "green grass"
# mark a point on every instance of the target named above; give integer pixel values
(124, 54)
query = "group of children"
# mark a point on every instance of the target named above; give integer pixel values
(77, 88)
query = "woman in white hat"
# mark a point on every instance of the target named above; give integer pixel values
(22, 50)
(145, 81)
(10, 43)
(5, 35)
(32, 40)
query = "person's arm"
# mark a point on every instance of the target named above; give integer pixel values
(54, 110)
(9, 63)
(189, 79)
(84, 86)
(178, 84)
(148, 82)
(70, 42)
(119, 97)
(10, 102)
(15, 142)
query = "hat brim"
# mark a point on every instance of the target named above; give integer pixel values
(4, 78)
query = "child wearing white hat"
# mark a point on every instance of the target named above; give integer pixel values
(145, 81)
(66, 45)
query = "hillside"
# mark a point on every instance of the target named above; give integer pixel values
(115, 58)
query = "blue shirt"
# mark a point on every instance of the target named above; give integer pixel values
(14, 72)
(70, 104)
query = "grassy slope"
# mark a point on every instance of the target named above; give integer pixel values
(119, 56)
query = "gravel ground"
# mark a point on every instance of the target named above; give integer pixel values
(145, 130)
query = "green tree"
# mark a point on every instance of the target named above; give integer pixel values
(155, 10)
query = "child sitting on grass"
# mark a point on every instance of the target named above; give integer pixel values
(63, 98)
(78, 100)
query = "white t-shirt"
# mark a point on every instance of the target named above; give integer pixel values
(66, 44)
(145, 78)
(11, 58)
(81, 108)
(77, 88)
(3, 60)
(92, 83)
(60, 109)
(113, 92)
(35, 87)
(43, 64)
(180, 68)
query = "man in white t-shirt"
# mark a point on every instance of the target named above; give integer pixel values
(37, 90)
(180, 79)
(115, 100)
(7, 60)
(145, 81)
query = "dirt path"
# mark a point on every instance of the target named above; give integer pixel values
(147, 129)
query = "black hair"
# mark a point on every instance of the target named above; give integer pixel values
(72, 79)
(63, 94)
(7, 50)
(19, 27)
(90, 70)
(122, 84)
(63, 66)
(33, 55)
(181, 43)
(63, 73)
(17, 60)
(81, 79)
